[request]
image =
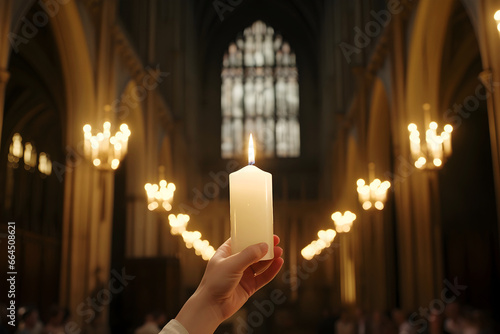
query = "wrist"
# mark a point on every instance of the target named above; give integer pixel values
(199, 315)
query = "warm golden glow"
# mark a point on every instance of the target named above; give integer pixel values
(161, 194)
(325, 239)
(251, 151)
(437, 147)
(497, 15)
(29, 156)
(343, 222)
(44, 164)
(178, 223)
(15, 149)
(192, 239)
(104, 150)
(369, 195)
(367, 205)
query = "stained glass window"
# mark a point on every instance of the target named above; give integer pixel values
(260, 95)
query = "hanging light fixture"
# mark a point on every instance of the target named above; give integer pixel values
(104, 150)
(437, 147)
(343, 222)
(160, 195)
(29, 156)
(15, 150)
(44, 164)
(373, 195)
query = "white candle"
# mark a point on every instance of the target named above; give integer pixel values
(251, 207)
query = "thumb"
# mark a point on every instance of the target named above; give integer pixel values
(242, 260)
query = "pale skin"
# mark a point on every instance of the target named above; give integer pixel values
(228, 282)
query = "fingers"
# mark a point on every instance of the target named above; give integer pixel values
(276, 239)
(242, 260)
(224, 250)
(269, 274)
(261, 266)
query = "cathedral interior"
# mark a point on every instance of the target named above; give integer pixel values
(121, 120)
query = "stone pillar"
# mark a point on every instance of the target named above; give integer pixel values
(5, 20)
(4, 77)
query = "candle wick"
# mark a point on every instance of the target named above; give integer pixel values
(251, 163)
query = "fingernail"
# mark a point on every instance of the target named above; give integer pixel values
(263, 247)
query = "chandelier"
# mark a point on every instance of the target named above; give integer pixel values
(44, 164)
(15, 150)
(160, 195)
(29, 156)
(432, 153)
(104, 150)
(343, 222)
(373, 195)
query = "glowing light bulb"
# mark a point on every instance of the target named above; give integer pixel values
(497, 15)
(115, 163)
(412, 127)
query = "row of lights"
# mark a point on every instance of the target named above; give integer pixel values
(343, 223)
(192, 239)
(428, 155)
(370, 196)
(29, 155)
(325, 239)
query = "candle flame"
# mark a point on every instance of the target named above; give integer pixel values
(251, 151)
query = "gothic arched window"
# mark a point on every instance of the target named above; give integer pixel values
(260, 95)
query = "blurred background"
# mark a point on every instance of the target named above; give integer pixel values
(120, 121)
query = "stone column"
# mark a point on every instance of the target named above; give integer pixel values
(4, 78)
(5, 20)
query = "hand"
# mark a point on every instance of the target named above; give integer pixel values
(228, 282)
